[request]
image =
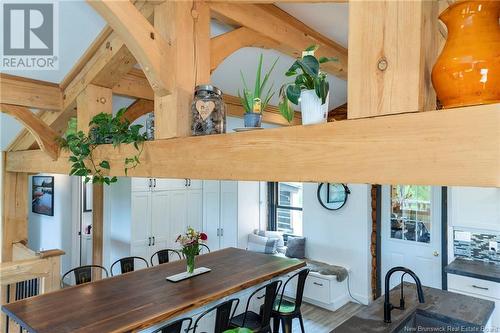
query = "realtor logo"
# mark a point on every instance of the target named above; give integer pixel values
(29, 36)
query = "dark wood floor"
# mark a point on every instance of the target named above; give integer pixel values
(318, 320)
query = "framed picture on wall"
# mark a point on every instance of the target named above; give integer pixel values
(42, 195)
(87, 196)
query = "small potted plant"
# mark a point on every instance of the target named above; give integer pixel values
(255, 102)
(310, 88)
(190, 242)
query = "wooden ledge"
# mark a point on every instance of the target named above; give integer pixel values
(51, 253)
(450, 147)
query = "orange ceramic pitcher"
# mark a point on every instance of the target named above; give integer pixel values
(468, 70)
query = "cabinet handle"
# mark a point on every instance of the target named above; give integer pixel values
(189, 184)
(222, 231)
(318, 284)
(478, 287)
(218, 232)
(185, 182)
(149, 241)
(154, 183)
(150, 183)
(154, 240)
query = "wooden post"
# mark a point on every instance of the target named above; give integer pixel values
(186, 27)
(97, 223)
(395, 45)
(92, 101)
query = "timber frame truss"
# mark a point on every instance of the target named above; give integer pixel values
(387, 139)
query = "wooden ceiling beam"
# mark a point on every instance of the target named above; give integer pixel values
(25, 140)
(226, 44)
(44, 135)
(292, 35)
(145, 42)
(453, 147)
(30, 93)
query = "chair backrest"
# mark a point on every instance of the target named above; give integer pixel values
(176, 326)
(301, 281)
(223, 315)
(127, 264)
(83, 274)
(272, 290)
(164, 256)
(204, 249)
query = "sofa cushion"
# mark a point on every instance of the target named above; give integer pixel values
(296, 247)
(261, 244)
(272, 234)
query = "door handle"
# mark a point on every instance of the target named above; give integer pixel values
(222, 231)
(478, 287)
(318, 284)
(149, 241)
(435, 254)
(154, 240)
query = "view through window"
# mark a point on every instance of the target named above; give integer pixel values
(411, 213)
(286, 207)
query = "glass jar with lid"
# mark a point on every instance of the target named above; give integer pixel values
(208, 110)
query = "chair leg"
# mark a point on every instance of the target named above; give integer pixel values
(286, 324)
(276, 324)
(302, 324)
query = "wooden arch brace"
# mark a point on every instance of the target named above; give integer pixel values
(142, 39)
(226, 44)
(44, 135)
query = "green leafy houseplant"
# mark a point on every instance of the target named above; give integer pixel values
(249, 97)
(239, 330)
(104, 129)
(308, 76)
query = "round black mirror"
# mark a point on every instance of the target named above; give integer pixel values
(332, 196)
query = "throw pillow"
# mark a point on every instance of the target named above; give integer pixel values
(261, 244)
(296, 247)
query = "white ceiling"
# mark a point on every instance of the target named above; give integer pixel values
(79, 25)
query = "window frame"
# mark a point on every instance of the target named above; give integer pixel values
(273, 206)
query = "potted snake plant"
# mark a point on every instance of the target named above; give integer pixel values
(255, 101)
(310, 89)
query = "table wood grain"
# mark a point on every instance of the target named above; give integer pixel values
(140, 299)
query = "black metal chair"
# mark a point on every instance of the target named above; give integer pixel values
(285, 310)
(259, 323)
(163, 256)
(176, 326)
(82, 274)
(128, 264)
(223, 315)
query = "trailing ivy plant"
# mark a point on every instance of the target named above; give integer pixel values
(308, 76)
(104, 128)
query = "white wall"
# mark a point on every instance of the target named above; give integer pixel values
(54, 232)
(248, 210)
(341, 237)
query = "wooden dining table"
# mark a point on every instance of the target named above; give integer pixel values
(140, 299)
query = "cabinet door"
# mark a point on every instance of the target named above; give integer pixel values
(141, 224)
(195, 209)
(195, 184)
(162, 184)
(229, 213)
(140, 184)
(160, 222)
(211, 212)
(177, 217)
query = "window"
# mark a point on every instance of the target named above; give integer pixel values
(285, 207)
(411, 213)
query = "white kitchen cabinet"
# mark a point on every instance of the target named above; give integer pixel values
(478, 288)
(158, 217)
(162, 184)
(466, 202)
(220, 213)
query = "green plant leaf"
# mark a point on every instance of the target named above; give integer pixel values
(323, 60)
(104, 165)
(312, 48)
(256, 90)
(266, 77)
(309, 64)
(293, 93)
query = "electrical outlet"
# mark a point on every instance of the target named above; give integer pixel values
(493, 246)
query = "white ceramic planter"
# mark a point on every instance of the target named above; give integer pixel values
(313, 112)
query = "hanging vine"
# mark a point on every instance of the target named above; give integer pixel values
(104, 128)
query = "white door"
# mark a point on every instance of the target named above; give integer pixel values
(177, 217)
(141, 224)
(162, 184)
(160, 232)
(141, 184)
(229, 214)
(211, 212)
(411, 232)
(195, 209)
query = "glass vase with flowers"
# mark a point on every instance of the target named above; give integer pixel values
(190, 242)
